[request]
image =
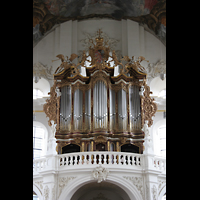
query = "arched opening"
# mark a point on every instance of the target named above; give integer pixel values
(129, 148)
(37, 194)
(97, 191)
(100, 147)
(71, 148)
(131, 192)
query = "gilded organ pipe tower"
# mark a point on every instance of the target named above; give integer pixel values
(100, 111)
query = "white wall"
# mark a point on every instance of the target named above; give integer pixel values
(134, 40)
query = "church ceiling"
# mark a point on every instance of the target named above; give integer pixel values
(47, 13)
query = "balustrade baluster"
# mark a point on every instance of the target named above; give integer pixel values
(115, 159)
(110, 160)
(95, 160)
(70, 160)
(104, 160)
(99, 159)
(89, 159)
(128, 160)
(75, 160)
(85, 159)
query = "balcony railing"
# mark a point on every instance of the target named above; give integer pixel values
(105, 158)
(102, 158)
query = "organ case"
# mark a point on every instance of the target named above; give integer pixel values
(100, 108)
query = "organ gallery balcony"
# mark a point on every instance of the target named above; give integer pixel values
(110, 160)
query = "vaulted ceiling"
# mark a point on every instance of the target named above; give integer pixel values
(48, 13)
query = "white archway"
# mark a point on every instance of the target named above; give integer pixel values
(38, 192)
(77, 183)
(162, 192)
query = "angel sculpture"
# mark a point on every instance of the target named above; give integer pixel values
(84, 58)
(138, 65)
(65, 63)
(114, 58)
(73, 56)
(126, 68)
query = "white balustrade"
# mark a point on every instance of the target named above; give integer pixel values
(159, 163)
(102, 158)
(39, 164)
(105, 158)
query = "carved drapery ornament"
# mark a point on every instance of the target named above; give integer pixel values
(148, 106)
(50, 108)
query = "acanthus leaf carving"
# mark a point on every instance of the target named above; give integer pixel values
(63, 181)
(50, 107)
(137, 181)
(154, 192)
(148, 106)
(46, 192)
(100, 173)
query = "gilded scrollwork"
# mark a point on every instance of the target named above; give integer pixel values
(50, 107)
(148, 106)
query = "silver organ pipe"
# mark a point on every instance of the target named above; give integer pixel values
(122, 110)
(112, 109)
(87, 109)
(100, 105)
(65, 108)
(78, 109)
(100, 117)
(134, 102)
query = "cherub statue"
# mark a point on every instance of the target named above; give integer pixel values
(146, 129)
(57, 90)
(53, 129)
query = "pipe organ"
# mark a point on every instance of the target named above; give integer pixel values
(100, 111)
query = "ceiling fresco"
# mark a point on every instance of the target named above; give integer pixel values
(47, 13)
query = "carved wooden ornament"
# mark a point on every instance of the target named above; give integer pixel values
(148, 106)
(50, 107)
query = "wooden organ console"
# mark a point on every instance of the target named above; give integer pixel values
(100, 111)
